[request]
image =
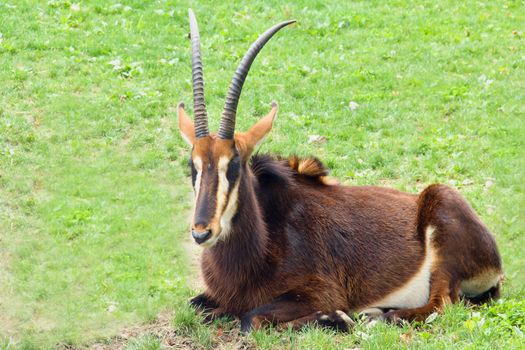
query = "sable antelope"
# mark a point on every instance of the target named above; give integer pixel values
(286, 245)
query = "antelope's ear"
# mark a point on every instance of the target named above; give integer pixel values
(186, 127)
(256, 133)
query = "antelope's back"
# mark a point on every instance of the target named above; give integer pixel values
(364, 236)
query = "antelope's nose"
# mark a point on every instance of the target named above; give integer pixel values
(201, 237)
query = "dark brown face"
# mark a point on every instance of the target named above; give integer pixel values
(216, 168)
(215, 171)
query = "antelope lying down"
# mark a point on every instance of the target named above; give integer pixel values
(285, 245)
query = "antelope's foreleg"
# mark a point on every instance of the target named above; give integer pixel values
(283, 309)
(208, 307)
(337, 320)
(203, 303)
(293, 312)
(441, 294)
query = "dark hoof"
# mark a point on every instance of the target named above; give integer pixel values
(202, 303)
(392, 317)
(246, 324)
(337, 321)
(198, 302)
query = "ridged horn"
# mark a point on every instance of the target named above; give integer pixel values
(199, 106)
(227, 126)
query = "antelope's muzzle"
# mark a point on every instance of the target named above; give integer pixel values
(201, 237)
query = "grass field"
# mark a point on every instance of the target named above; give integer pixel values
(94, 191)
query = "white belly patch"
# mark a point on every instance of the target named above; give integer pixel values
(415, 292)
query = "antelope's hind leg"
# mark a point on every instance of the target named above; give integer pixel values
(442, 293)
(492, 293)
(466, 257)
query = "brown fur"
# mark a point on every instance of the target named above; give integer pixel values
(311, 167)
(299, 247)
(296, 247)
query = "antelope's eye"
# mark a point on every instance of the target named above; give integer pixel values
(233, 170)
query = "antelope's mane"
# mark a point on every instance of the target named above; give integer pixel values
(278, 169)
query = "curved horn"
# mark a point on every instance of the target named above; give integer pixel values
(227, 126)
(199, 106)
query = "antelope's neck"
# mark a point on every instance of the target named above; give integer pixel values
(244, 254)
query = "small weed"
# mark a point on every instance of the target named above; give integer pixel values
(146, 342)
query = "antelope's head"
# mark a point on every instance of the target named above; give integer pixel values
(217, 160)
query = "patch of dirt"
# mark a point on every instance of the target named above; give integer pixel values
(160, 329)
(194, 252)
(169, 338)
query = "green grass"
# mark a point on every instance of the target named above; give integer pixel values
(94, 190)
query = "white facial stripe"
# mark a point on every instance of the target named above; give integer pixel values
(222, 188)
(225, 209)
(197, 163)
(229, 212)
